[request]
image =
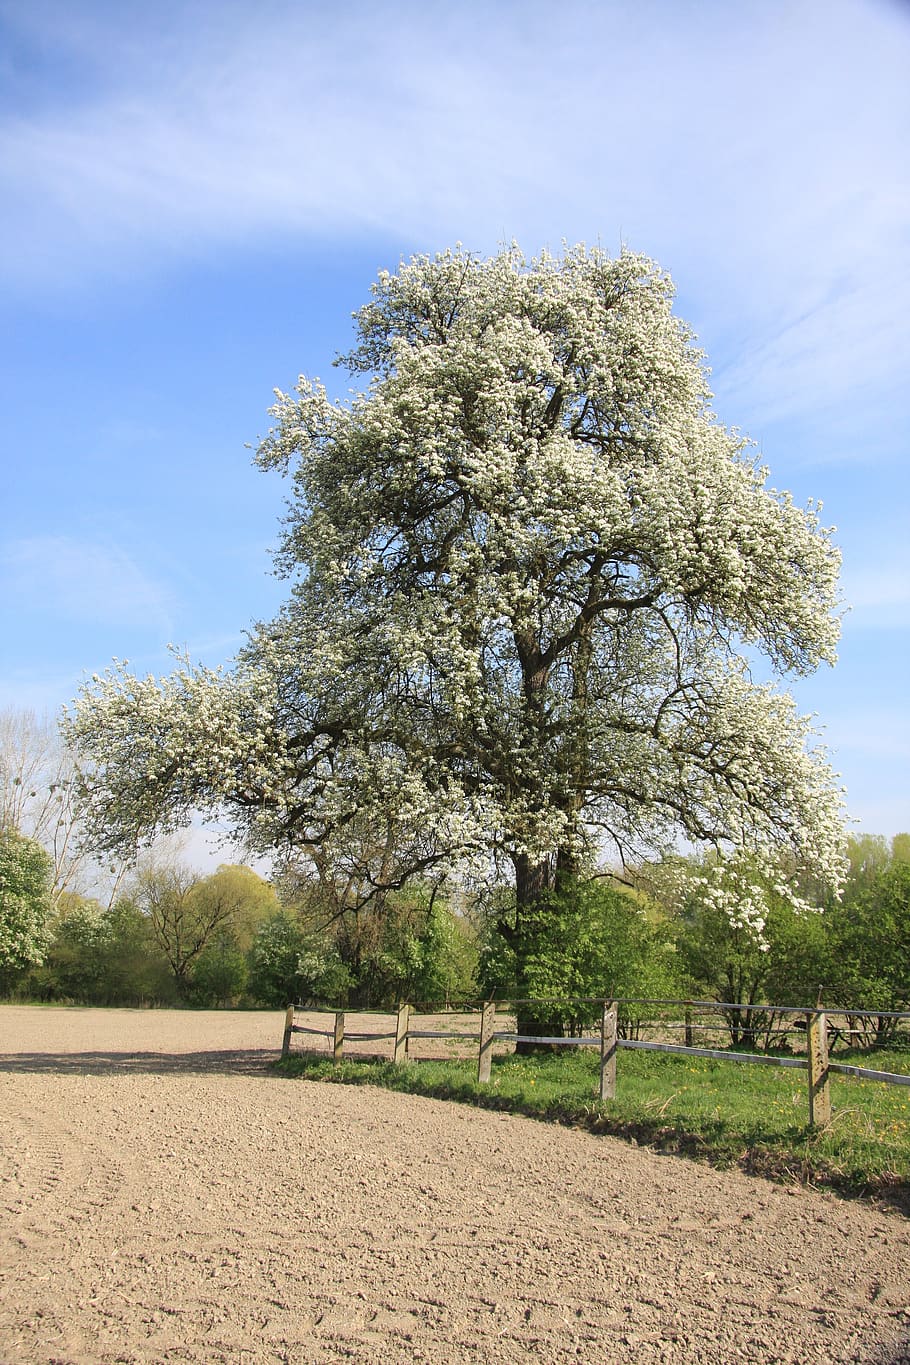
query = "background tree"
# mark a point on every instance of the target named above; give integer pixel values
(220, 972)
(274, 961)
(900, 848)
(419, 950)
(79, 955)
(526, 559)
(288, 965)
(25, 904)
(767, 950)
(589, 940)
(101, 956)
(727, 960)
(868, 855)
(209, 920)
(38, 800)
(869, 936)
(799, 955)
(397, 935)
(392, 945)
(242, 896)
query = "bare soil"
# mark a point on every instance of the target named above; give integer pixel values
(164, 1198)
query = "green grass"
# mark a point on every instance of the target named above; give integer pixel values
(726, 1113)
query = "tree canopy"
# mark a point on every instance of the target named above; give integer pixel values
(25, 902)
(37, 800)
(193, 919)
(528, 569)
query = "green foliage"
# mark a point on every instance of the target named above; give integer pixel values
(870, 945)
(26, 875)
(407, 945)
(238, 897)
(324, 979)
(900, 848)
(182, 939)
(228, 908)
(288, 965)
(273, 961)
(799, 955)
(80, 955)
(786, 963)
(867, 855)
(103, 957)
(424, 953)
(191, 916)
(721, 960)
(854, 953)
(592, 940)
(219, 972)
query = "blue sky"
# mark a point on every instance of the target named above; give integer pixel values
(196, 196)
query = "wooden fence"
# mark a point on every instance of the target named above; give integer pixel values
(814, 1022)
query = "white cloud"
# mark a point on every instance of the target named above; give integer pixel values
(420, 120)
(842, 352)
(82, 582)
(759, 152)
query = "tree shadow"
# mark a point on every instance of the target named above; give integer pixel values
(237, 1062)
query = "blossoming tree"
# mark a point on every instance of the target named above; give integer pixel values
(527, 564)
(25, 904)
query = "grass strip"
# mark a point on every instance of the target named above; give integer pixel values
(729, 1115)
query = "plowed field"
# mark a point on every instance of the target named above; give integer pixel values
(163, 1198)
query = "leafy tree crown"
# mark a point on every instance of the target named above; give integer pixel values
(527, 564)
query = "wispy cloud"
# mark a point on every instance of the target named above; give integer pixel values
(843, 349)
(82, 582)
(759, 152)
(24, 688)
(879, 592)
(882, 734)
(419, 120)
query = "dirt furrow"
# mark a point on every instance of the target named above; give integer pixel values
(159, 1207)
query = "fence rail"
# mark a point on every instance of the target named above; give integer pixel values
(719, 1054)
(813, 1021)
(867, 1074)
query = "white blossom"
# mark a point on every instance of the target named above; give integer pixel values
(525, 562)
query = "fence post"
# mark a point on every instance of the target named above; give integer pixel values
(688, 1023)
(400, 1055)
(338, 1045)
(288, 1030)
(819, 1090)
(608, 1051)
(485, 1056)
